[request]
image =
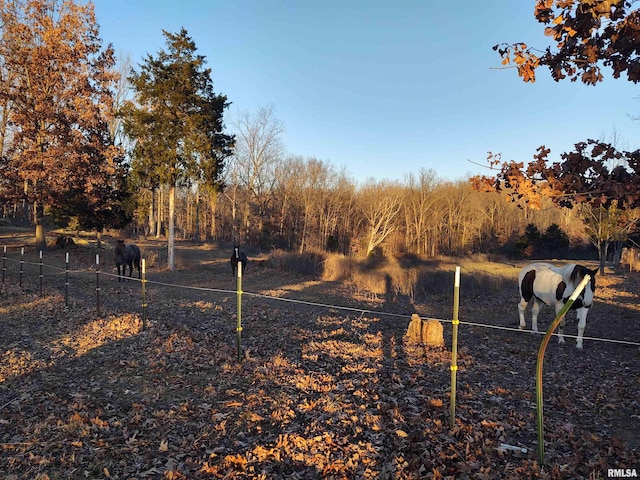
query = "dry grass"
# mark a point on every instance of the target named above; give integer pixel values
(419, 277)
(308, 263)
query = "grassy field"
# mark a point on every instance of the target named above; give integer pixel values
(328, 385)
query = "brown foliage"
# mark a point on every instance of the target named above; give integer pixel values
(583, 176)
(59, 103)
(588, 34)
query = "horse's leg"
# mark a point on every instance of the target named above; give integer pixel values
(522, 307)
(535, 310)
(582, 323)
(118, 267)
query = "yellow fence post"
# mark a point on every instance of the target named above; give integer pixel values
(454, 346)
(239, 319)
(144, 294)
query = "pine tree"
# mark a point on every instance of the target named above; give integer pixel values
(176, 122)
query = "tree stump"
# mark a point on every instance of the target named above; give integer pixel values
(429, 333)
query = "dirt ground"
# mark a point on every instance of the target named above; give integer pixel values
(327, 387)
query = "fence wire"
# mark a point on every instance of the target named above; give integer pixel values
(318, 304)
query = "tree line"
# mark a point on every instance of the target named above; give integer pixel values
(95, 144)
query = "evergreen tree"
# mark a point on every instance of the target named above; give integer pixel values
(176, 122)
(555, 241)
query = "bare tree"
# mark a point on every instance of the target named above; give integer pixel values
(315, 184)
(607, 225)
(418, 208)
(379, 203)
(254, 166)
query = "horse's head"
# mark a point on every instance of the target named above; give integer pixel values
(585, 299)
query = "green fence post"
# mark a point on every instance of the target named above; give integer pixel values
(454, 346)
(239, 319)
(21, 264)
(144, 295)
(40, 272)
(540, 361)
(98, 283)
(4, 262)
(66, 279)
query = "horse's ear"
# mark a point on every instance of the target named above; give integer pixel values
(593, 272)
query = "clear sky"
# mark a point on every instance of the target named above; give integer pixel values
(381, 87)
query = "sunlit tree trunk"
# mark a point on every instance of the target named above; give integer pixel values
(152, 210)
(171, 257)
(38, 215)
(159, 216)
(196, 226)
(213, 207)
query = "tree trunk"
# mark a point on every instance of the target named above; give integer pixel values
(38, 214)
(213, 202)
(99, 237)
(303, 239)
(196, 225)
(152, 211)
(159, 215)
(171, 259)
(604, 248)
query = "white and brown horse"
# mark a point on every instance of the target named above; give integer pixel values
(551, 285)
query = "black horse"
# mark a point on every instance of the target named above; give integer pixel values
(128, 254)
(238, 257)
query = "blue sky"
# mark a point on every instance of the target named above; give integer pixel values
(383, 88)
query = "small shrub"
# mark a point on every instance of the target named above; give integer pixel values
(308, 263)
(152, 258)
(337, 267)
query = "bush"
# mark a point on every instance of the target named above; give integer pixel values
(308, 263)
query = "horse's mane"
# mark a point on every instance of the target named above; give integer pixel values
(576, 274)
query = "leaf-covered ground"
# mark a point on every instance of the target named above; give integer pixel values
(320, 392)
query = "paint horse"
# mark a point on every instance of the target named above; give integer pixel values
(551, 285)
(238, 257)
(126, 255)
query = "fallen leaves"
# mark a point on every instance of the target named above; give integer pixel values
(322, 395)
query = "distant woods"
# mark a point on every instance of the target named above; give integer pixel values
(308, 206)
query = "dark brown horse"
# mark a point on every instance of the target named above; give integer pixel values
(127, 254)
(238, 257)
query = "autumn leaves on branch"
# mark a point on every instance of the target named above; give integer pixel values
(589, 35)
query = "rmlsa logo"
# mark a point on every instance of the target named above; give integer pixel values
(622, 473)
